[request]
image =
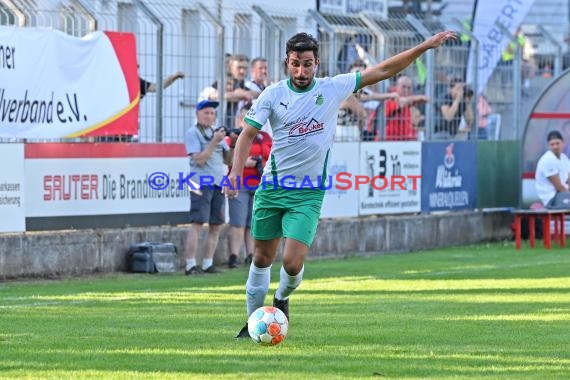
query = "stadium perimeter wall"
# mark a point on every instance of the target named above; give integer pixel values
(79, 252)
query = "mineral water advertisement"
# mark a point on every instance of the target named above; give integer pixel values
(449, 175)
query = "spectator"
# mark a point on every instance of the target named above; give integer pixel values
(400, 116)
(566, 56)
(370, 101)
(454, 106)
(207, 150)
(552, 171)
(236, 93)
(351, 113)
(442, 78)
(528, 65)
(241, 207)
(259, 80)
(146, 87)
(259, 75)
(483, 112)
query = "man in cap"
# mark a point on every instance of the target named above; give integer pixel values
(208, 151)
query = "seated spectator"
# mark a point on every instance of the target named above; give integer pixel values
(402, 118)
(241, 207)
(552, 172)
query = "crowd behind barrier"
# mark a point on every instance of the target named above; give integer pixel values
(197, 42)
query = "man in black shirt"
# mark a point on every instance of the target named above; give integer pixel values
(454, 106)
(237, 94)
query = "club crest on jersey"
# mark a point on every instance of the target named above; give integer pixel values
(319, 99)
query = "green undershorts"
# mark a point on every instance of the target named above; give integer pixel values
(286, 213)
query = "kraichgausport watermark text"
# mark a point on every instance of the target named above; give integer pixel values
(339, 181)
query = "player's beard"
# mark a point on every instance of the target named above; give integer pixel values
(302, 82)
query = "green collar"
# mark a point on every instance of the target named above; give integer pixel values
(294, 89)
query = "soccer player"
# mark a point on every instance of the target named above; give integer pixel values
(303, 112)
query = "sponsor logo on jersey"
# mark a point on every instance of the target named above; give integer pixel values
(305, 129)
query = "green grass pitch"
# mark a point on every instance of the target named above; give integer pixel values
(479, 312)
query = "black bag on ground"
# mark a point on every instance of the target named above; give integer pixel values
(150, 257)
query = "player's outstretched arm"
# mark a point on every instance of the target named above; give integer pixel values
(399, 62)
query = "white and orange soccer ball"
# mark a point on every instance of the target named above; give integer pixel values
(268, 326)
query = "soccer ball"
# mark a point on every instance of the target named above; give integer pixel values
(268, 326)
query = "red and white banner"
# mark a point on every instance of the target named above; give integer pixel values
(53, 85)
(492, 41)
(103, 179)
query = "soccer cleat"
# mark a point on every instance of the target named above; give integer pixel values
(211, 269)
(234, 261)
(243, 333)
(282, 305)
(192, 271)
(249, 259)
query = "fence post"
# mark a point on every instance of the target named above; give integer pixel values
(92, 18)
(475, 44)
(330, 30)
(276, 45)
(517, 79)
(381, 38)
(159, 68)
(17, 12)
(430, 85)
(558, 58)
(384, 85)
(222, 64)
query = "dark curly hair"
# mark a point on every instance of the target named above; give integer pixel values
(301, 42)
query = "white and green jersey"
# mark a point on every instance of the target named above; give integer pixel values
(304, 124)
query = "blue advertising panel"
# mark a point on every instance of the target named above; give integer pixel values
(449, 175)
